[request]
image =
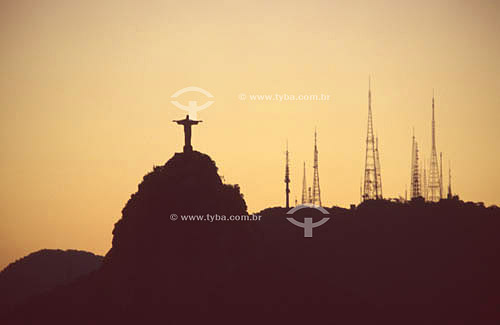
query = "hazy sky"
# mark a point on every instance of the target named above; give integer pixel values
(85, 106)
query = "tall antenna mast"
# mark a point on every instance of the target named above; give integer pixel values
(371, 188)
(450, 194)
(316, 193)
(287, 178)
(412, 163)
(377, 168)
(305, 198)
(426, 189)
(441, 175)
(415, 171)
(433, 185)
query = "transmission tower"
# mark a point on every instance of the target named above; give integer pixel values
(415, 171)
(287, 178)
(441, 175)
(412, 164)
(377, 165)
(450, 194)
(316, 193)
(424, 178)
(371, 187)
(305, 198)
(434, 182)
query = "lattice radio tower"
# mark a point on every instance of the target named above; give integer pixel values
(371, 188)
(424, 190)
(441, 175)
(377, 164)
(415, 171)
(450, 194)
(434, 184)
(305, 199)
(287, 178)
(316, 193)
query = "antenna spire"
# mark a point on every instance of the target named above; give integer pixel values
(372, 184)
(377, 165)
(316, 193)
(415, 170)
(304, 187)
(434, 184)
(450, 194)
(440, 175)
(287, 177)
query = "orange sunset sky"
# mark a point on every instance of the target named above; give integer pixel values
(85, 106)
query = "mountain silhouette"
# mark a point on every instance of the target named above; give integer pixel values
(173, 259)
(380, 262)
(42, 271)
(155, 261)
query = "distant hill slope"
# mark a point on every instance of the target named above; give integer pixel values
(43, 270)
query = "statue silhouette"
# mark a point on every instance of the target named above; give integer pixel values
(187, 132)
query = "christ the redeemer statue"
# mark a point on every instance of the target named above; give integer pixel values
(187, 132)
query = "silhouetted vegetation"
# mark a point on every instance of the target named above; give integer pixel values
(381, 262)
